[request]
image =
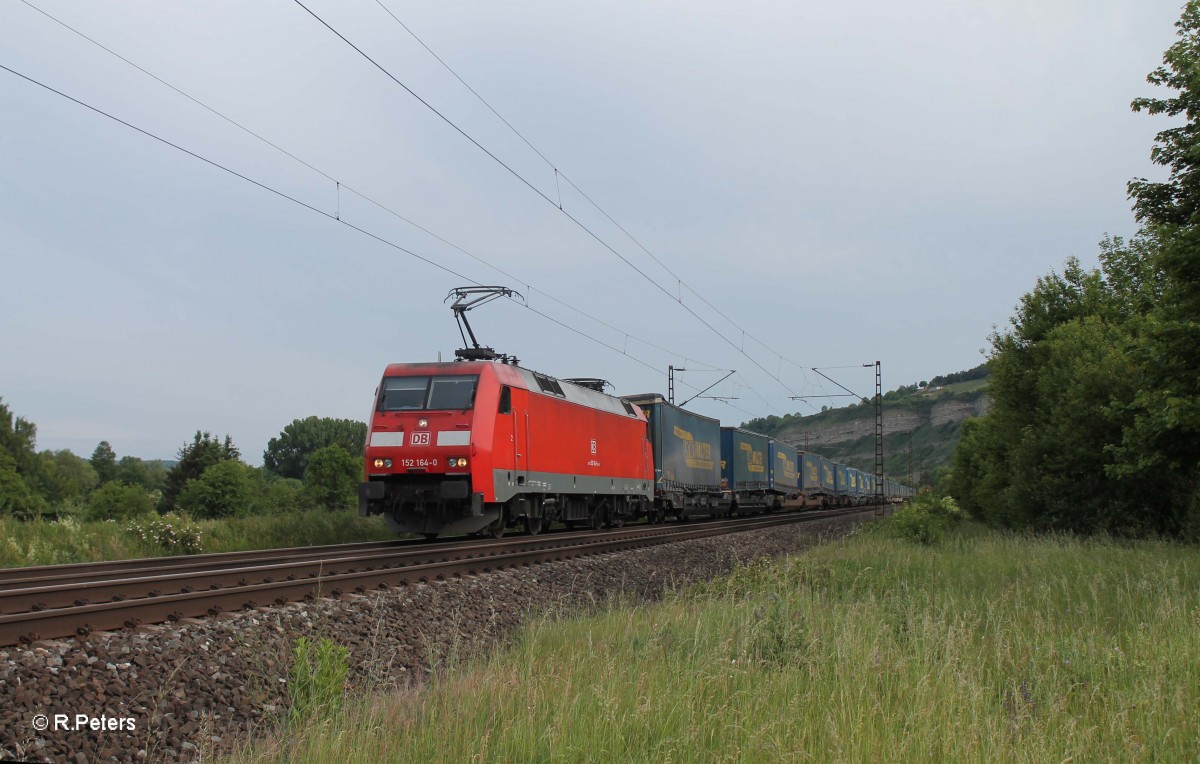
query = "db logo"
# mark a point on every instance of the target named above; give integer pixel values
(420, 439)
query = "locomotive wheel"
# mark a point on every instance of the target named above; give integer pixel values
(496, 529)
(598, 518)
(533, 525)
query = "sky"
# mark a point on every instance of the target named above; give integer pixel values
(777, 186)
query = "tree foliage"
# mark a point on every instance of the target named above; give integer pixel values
(225, 489)
(148, 474)
(15, 497)
(1063, 380)
(331, 478)
(288, 454)
(116, 501)
(60, 476)
(195, 459)
(18, 438)
(1095, 422)
(104, 462)
(979, 372)
(1165, 436)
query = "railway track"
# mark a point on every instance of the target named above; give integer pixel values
(76, 600)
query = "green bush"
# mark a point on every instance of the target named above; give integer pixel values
(114, 501)
(331, 478)
(225, 489)
(924, 520)
(275, 495)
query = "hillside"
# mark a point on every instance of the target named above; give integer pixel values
(921, 426)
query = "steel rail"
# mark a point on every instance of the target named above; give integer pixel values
(184, 578)
(261, 585)
(13, 578)
(88, 572)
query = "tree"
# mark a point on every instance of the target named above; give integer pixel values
(18, 460)
(1062, 382)
(18, 437)
(288, 455)
(1095, 423)
(276, 495)
(331, 478)
(1175, 201)
(104, 462)
(134, 471)
(1165, 436)
(60, 476)
(15, 497)
(226, 489)
(195, 458)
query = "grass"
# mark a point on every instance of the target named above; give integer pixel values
(48, 542)
(983, 647)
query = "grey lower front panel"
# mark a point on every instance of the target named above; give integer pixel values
(426, 504)
(440, 523)
(509, 484)
(434, 504)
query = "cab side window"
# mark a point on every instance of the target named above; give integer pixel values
(505, 400)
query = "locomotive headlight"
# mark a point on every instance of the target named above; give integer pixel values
(379, 462)
(460, 463)
(382, 463)
(387, 462)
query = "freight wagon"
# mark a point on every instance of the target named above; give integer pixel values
(686, 450)
(745, 469)
(785, 475)
(841, 485)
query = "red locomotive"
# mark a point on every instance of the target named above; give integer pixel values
(479, 446)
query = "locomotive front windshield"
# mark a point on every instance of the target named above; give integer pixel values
(427, 393)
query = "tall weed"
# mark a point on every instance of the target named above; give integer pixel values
(318, 680)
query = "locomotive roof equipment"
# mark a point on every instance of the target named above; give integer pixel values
(469, 297)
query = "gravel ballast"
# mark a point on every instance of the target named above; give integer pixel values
(202, 686)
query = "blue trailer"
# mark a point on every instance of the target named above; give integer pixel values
(746, 468)
(828, 479)
(687, 452)
(810, 478)
(842, 487)
(785, 473)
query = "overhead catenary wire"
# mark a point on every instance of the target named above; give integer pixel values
(545, 197)
(305, 205)
(341, 186)
(559, 173)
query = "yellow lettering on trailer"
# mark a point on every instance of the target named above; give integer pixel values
(696, 455)
(756, 462)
